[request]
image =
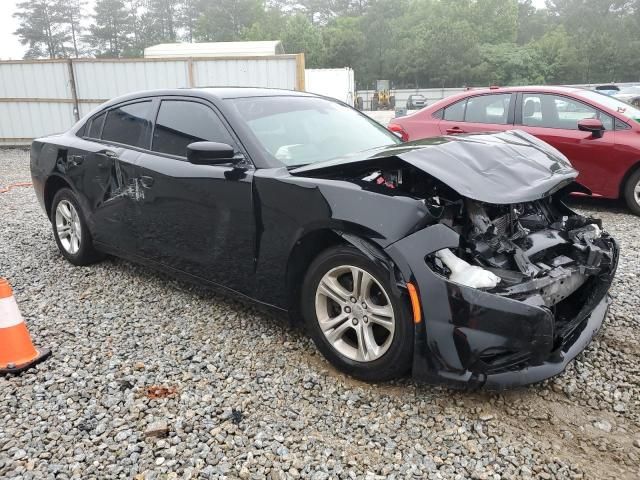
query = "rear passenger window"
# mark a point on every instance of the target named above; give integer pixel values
(129, 124)
(455, 112)
(96, 126)
(181, 122)
(488, 109)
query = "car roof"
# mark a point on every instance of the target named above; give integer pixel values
(213, 93)
(484, 90)
(242, 92)
(630, 88)
(528, 88)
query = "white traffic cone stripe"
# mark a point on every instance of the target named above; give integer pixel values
(10, 315)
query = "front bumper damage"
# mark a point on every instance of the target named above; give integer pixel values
(472, 338)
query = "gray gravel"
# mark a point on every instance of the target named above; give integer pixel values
(243, 395)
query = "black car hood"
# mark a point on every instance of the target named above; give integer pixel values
(501, 168)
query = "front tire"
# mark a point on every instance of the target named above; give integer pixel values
(632, 192)
(70, 229)
(356, 317)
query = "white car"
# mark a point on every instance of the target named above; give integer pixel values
(630, 95)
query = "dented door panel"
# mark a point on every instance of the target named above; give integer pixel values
(111, 182)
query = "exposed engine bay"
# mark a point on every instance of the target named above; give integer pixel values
(537, 252)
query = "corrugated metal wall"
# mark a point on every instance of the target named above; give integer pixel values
(108, 79)
(34, 97)
(37, 97)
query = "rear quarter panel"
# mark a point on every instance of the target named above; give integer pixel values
(54, 157)
(419, 125)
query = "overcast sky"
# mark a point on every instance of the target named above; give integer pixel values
(10, 47)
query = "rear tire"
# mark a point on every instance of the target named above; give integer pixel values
(632, 192)
(70, 230)
(362, 327)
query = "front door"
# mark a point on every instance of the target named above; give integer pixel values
(554, 119)
(195, 218)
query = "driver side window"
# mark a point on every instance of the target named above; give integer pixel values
(181, 122)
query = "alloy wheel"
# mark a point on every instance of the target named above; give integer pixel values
(68, 227)
(354, 313)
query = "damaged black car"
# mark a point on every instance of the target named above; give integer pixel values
(454, 259)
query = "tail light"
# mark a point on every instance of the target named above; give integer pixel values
(398, 131)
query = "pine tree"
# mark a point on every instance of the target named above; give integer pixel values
(41, 28)
(112, 30)
(162, 20)
(188, 14)
(138, 28)
(71, 11)
(227, 20)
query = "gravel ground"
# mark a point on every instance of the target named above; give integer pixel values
(154, 378)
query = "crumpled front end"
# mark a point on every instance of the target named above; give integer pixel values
(510, 293)
(512, 283)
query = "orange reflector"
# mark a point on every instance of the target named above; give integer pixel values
(415, 303)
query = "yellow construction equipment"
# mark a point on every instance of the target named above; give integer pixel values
(382, 98)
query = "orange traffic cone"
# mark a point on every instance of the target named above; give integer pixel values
(17, 352)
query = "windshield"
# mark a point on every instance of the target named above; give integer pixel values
(613, 103)
(302, 130)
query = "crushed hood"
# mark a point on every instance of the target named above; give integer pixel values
(501, 168)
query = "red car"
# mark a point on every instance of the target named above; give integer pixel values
(599, 134)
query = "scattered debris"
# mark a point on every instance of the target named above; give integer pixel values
(159, 391)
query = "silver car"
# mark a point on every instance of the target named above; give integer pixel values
(416, 102)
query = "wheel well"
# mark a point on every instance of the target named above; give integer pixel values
(626, 176)
(51, 187)
(306, 249)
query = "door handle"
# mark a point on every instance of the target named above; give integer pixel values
(146, 182)
(453, 130)
(108, 153)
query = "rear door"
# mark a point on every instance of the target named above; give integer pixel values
(554, 119)
(118, 136)
(481, 113)
(196, 218)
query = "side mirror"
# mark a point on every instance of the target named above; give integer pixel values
(210, 153)
(592, 125)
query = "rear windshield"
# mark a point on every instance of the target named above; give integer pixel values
(302, 130)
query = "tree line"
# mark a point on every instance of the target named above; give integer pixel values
(414, 43)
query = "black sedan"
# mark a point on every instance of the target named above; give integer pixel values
(453, 258)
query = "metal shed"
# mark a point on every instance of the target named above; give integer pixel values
(215, 49)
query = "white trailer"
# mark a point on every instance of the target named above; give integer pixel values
(337, 83)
